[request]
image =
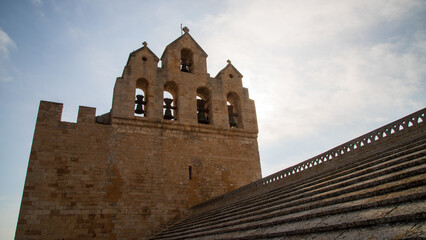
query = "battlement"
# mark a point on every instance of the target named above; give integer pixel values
(175, 137)
(51, 112)
(86, 115)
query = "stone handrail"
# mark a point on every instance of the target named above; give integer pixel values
(400, 125)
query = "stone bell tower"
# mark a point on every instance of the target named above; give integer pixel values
(175, 137)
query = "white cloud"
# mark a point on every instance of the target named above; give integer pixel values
(309, 63)
(315, 67)
(6, 45)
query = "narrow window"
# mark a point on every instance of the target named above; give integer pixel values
(190, 172)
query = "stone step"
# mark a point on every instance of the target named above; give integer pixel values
(322, 181)
(264, 205)
(354, 220)
(337, 205)
(303, 213)
(326, 204)
(392, 207)
(381, 181)
(400, 231)
(333, 198)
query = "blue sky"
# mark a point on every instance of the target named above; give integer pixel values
(321, 72)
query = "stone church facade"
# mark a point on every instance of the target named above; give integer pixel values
(174, 137)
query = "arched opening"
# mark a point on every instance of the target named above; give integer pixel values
(234, 110)
(140, 103)
(170, 101)
(203, 105)
(140, 97)
(186, 60)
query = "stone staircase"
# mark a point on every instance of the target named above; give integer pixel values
(376, 193)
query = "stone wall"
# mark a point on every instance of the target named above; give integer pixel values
(127, 179)
(125, 176)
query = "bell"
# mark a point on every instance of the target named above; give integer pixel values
(232, 122)
(201, 109)
(139, 109)
(232, 115)
(184, 68)
(202, 118)
(168, 112)
(140, 102)
(185, 65)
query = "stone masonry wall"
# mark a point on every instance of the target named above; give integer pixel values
(126, 180)
(125, 176)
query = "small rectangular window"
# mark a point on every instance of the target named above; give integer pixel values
(190, 172)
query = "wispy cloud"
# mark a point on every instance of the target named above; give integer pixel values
(315, 65)
(6, 45)
(318, 60)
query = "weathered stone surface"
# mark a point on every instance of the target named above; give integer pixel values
(373, 192)
(124, 176)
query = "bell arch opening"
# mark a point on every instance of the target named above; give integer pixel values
(140, 97)
(186, 60)
(234, 110)
(204, 115)
(170, 101)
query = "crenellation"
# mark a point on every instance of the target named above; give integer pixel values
(49, 112)
(131, 173)
(86, 115)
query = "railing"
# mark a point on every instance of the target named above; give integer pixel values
(361, 142)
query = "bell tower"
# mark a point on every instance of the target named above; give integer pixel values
(174, 137)
(194, 96)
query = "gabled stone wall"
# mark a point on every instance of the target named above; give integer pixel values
(125, 176)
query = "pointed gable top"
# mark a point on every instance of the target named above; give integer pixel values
(146, 49)
(228, 68)
(186, 35)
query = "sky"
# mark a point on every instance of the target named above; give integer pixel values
(321, 72)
